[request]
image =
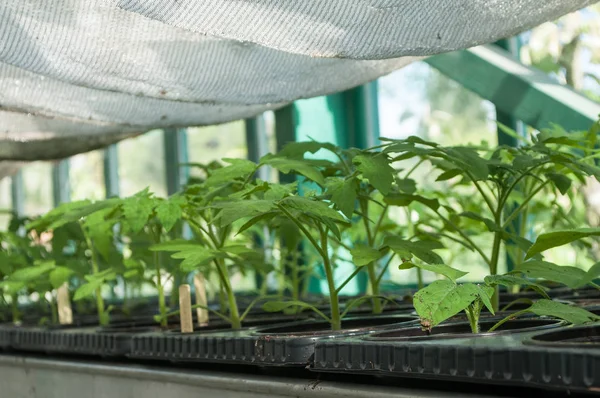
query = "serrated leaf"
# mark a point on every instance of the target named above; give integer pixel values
(363, 255)
(560, 181)
(402, 199)
(377, 169)
(513, 280)
(311, 207)
(567, 275)
(297, 150)
(280, 191)
(470, 161)
(237, 169)
(300, 166)
(558, 238)
(442, 300)
(423, 249)
(169, 211)
(571, 314)
(60, 275)
(253, 221)
(441, 269)
(233, 211)
(137, 209)
(343, 193)
(87, 290)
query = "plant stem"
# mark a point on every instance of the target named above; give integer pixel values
(103, 318)
(16, 315)
(162, 306)
(377, 308)
(515, 213)
(336, 323)
(508, 318)
(473, 321)
(234, 314)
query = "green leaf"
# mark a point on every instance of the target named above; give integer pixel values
(470, 161)
(263, 217)
(590, 275)
(448, 174)
(489, 223)
(87, 290)
(343, 193)
(169, 211)
(402, 199)
(406, 185)
(137, 209)
(192, 259)
(303, 167)
(441, 269)
(442, 300)
(560, 181)
(11, 287)
(280, 191)
(277, 306)
(423, 249)
(33, 272)
(513, 280)
(363, 255)
(485, 295)
(567, 275)
(377, 169)
(315, 208)
(237, 169)
(297, 150)
(175, 245)
(60, 275)
(233, 211)
(571, 314)
(558, 238)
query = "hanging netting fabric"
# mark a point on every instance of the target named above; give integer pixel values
(78, 75)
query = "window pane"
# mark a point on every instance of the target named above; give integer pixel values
(86, 176)
(37, 181)
(207, 144)
(142, 164)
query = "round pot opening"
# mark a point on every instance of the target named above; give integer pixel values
(349, 326)
(221, 325)
(572, 337)
(463, 329)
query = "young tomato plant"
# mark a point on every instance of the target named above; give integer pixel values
(446, 298)
(507, 179)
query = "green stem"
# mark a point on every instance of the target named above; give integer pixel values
(508, 318)
(494, 268)
(336, 323)
(485, 197)
(473, 321)
(162, 306)
(515, 213)
(420, 283)
(16, 315)
(295, 278)
(348, 279)
(234, 314)
(103, 318)
(465, 237)
(377, 308)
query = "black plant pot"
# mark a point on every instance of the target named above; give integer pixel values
(290, 344)
(533, 352)
(586, 337)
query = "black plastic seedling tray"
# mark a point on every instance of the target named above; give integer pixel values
(290, 344)
(532, 353)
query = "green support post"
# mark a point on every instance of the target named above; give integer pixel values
(61, 190)
(111, 171)
(176, 153)
(523, 92)
(17, 194)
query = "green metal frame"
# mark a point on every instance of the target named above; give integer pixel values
(176, 154)
(111, 171)
(520, 91)
(61, 187)
(17, 194)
